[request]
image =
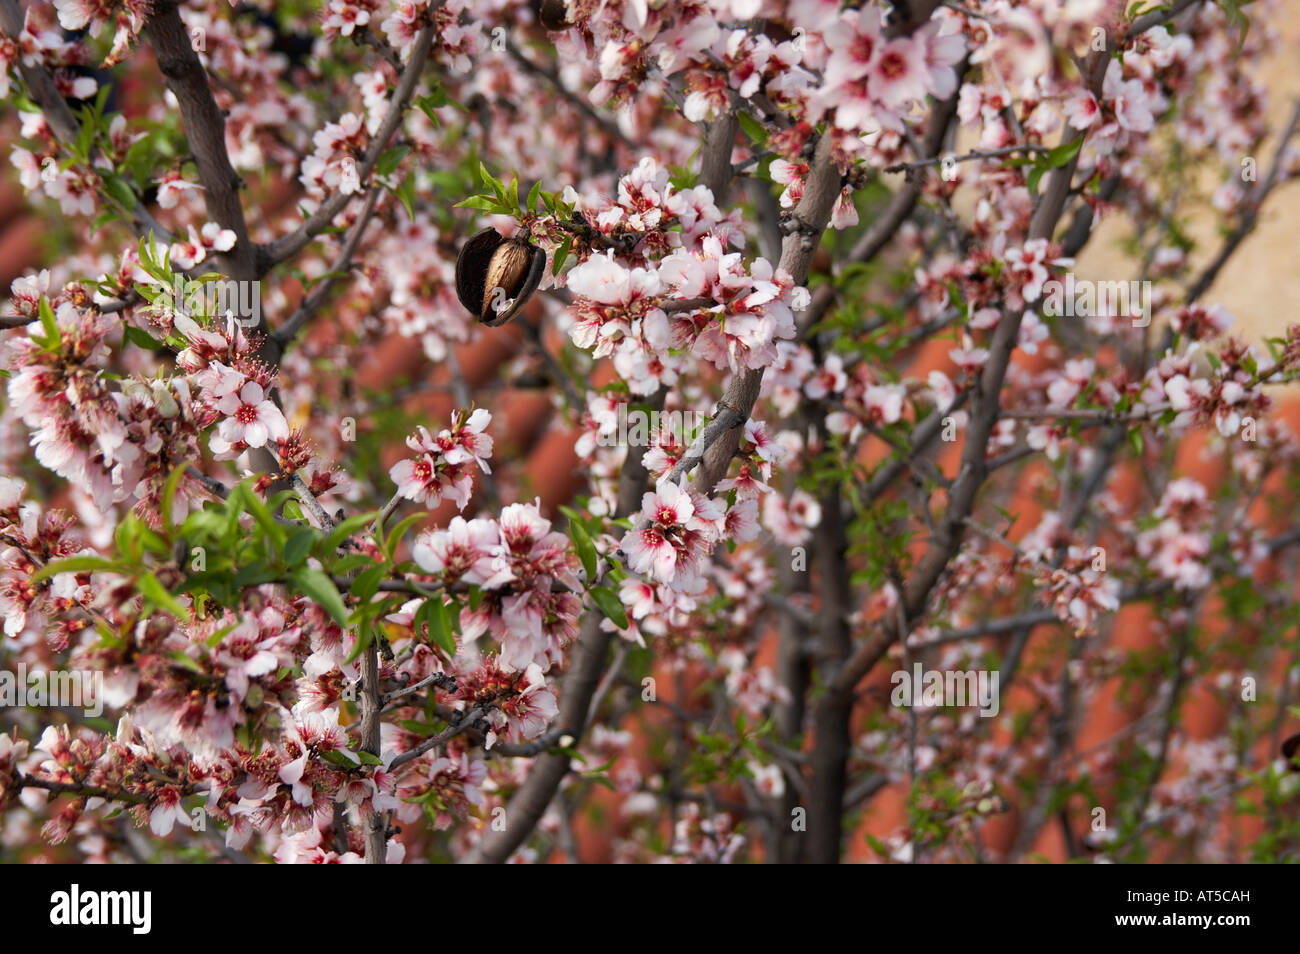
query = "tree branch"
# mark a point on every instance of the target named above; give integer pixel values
(205, 128)
(313, 301)
(290, 245)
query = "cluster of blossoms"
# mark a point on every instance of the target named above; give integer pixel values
(444, 465)
(1177, 546)
(869, 80)
(514, 705)
(754, 690)
(528, 576)
(458, 31)
(151, 780)
(1228, 400)
(734, 314)
(791, 522)
(446, 789)
(1071, 579)
(127, 18)
(29, 539)
(332, 166)
(338, 146)
(678, 532)
(519, 704)
(420, 276)
(73, 188)
(706, 840)
(673, 535)
(182, 739)
(13, 753)
(232, 387)
(292, 787)
(861, 399)
(118, 442)
(197, 245)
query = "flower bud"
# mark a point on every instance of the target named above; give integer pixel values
(495, 276)
(163, 399)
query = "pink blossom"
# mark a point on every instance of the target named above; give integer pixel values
(251, 418)
(677, 531)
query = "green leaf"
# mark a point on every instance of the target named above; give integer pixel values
(366, 583)
(497, 185)
(169, 495)
(260, 512)
(392, 540)
(561, 254)
(439, 620)
(483, 203)
(391, 159)
(151, 588)
(184, 661)
(320, 588)
(119, 191)
(347, 528)
(753, 128)
(586, 549)
(142, 339)
(1054, 159)
(299, 545)
(77, 564)
(254, 574)
(406, 192)
(1063, 153)
(52, 336)
(1236, 19)
(610, 605)
(154, 542)
(1031, 181)
(364, 637)
(335, 757)
(352, 561)
(1135, 441)
(125, 538)
(213, 641)
(427, 105)
(533, 193)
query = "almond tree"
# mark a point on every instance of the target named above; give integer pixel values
(839, 233)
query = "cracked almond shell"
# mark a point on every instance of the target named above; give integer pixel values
(488, 262)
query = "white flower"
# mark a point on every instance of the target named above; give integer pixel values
(601, 279)
(251, 418)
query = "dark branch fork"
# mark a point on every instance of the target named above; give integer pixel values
(289, 245)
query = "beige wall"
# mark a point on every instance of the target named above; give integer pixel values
(1260, 285)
